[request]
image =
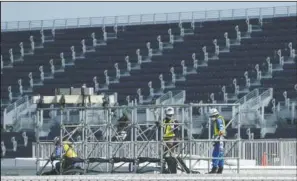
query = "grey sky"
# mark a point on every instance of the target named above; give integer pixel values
(21, 11)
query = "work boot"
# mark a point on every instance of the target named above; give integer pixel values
(220, 170)
(213, 170)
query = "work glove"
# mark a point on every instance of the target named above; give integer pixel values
(52, 158)
(221, 133)
(157, 124)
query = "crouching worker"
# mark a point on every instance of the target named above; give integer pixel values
(69, 156)
(219, 133)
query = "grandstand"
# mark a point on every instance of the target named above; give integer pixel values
(222, 58)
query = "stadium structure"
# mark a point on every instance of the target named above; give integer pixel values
(103, 84)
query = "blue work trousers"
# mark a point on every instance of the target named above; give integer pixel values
(218, 151)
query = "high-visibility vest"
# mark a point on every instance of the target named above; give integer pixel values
(216, 128)
(69, 151)
(168, 129)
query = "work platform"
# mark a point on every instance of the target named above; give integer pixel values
(127, 138)
(129, 142)
(154, 177)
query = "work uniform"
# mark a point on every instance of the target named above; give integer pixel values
(70, 156)
(170, 129)
(218, 151)
(170, 133)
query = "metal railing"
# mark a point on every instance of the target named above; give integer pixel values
(250, 105)
(176, 97)
(244, 101)
(16, 104)
(164, 98)
(179, 98)
(12, 111)
(277, 152)
(211, 15)
(254, 93)
(262, 99)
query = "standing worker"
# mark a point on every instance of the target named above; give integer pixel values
(219, 133)
(170, 128)
(170, 135)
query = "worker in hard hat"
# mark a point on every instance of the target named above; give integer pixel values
(170, 127)
(170, 135)
(69, 156)
(219, 133)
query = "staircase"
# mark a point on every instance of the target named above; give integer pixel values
(169, 98)
(14, 112)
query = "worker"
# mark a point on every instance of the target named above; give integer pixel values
(170, 135)
(69, 156)
(170, 127)
(219, 133)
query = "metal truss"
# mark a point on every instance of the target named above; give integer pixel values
(132, 142)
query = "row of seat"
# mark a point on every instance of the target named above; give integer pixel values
(275, 34)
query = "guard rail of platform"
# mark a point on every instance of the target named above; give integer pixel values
(158, 18)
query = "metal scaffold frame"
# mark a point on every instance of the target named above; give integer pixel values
(143, 152)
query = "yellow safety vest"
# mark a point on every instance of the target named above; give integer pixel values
(168, 131)
(69, 152)
(215, 127)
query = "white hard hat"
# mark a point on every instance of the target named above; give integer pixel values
(213, 112)
(169, 111)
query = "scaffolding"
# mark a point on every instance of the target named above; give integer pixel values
(131, 143)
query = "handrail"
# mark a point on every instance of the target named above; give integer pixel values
(179, 98)
(247, 97)
(245, 101)
(164, 97)
(16, 103)
(158, 18)
(12, 111)
(258, 101)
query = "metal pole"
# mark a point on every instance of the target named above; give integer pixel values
(156, 145)
(238, 138)
(37, 148)
(149, 106)
(109, 131)
(183, 130)
(190, 135)
(161, 140)
(273, 11)
(85, 136)
(61, 139)
(209, 143)
(220, 12)
(134, 123)
(166, 17)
